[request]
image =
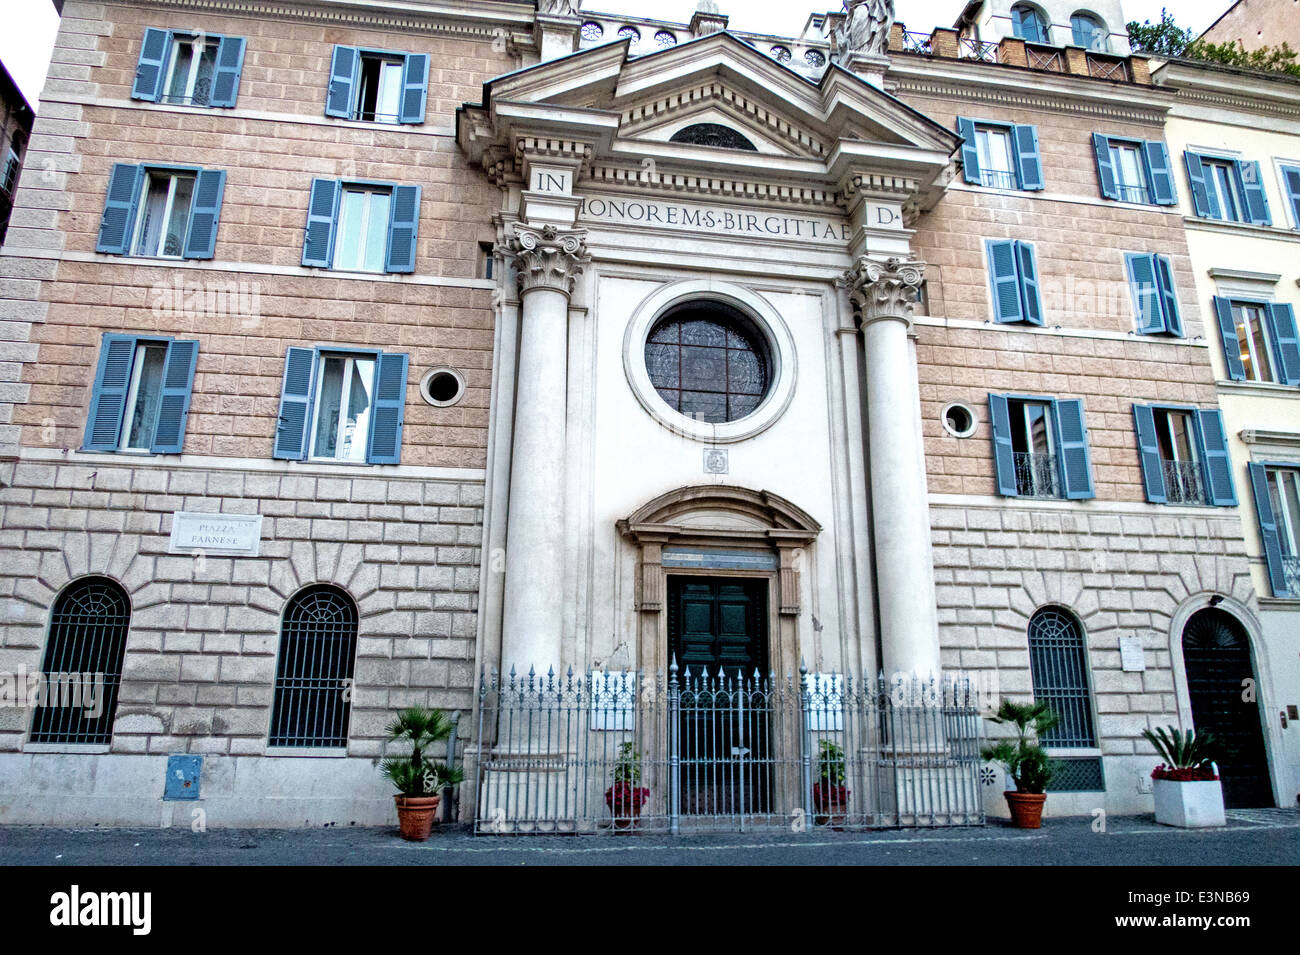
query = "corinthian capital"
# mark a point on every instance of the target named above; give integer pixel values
(884, 289)
(548, 257)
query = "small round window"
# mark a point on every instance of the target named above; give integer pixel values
(959, 421)
(441, 387)
(708, 361)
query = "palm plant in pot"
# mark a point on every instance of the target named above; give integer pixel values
(1024, 759)
(626, 796)
(830, 795)
(1187, 788)
(419, 779)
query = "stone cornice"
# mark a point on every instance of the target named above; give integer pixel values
(1285, 439)
(1220, 86)
(689, 184)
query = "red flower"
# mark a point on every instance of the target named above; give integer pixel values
(1193, 774)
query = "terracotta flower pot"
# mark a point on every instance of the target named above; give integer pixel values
(1026, 809)
(415, 815)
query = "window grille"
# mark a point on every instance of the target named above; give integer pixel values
(313, 677)
(1077, 775)
(83, 664)
(1060, 674)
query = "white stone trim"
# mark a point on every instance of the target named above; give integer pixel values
(1061, 332)
(1242, 229)
(1082, 508)
(1259, 389)
(767, 319)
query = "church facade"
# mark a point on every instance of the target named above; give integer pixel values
(503, 337)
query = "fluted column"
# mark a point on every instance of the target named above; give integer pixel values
(547, 261)
(885, 293)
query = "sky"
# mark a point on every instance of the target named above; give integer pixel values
(29, 26)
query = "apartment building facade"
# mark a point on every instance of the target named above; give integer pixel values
(492, 337)
(15, 129)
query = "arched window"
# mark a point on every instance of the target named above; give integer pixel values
(712, 134)
(1059, 666)
(709, 362)
(313, 676)
(1089, 32)
(83, 664)
(1029, 24)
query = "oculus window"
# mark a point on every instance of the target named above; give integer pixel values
(708, 361)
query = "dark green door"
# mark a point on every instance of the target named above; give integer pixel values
(718, 635)
(1221, 685)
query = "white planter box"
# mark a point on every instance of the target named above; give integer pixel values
(1189, 805)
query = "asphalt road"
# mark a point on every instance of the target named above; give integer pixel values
(1254, 838)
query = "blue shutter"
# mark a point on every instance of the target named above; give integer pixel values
(1291, 178)
(205, 214)
(1252, 184)
(390, 408)
(1228, 333)
(1161, 173)
(1146, 293)
(108, 399)
(1007, 303)
(225, 77)
(124, 184)
(322, 208)
(151, 70)
(1105, 166)
(403, 229)
(415, 87)
(1201, 202)
(1029, 282)
(1286, 344)
(1004, 457)
(174, 403)
(295, 405)
(1028, 160)
(343, 79)
(970, 153)
(1268, 532)
(1153, 471)
(1213, 437)
(1072, 446)
(1168, 296)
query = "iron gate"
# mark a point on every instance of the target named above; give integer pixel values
(700, 751)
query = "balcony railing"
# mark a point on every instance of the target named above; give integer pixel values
(1134, 194)
(1291, 574)
(917, 43)
(1108, 67)
(972, 49)
(1183, 482)
(1045, 58)
(1037, 475)
(998, 179)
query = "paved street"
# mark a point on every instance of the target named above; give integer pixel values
(1257, 837)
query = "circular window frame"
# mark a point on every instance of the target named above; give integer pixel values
(442, 370)
(974, 419)
(767, 322)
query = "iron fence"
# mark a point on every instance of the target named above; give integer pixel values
(914, 42)
(692, 750)
(1037, 475)
(973, 49)
(1183, 482)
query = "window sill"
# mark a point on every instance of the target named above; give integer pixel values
(311, 752)
(79, 749)
(1242, 228)
(1279, 603)
(1259, 389)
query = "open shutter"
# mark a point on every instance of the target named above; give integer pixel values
(322, 208)
(1200, 191)
(1291, 179)
(1228, 332)
(151, 70)
(1007, 303)
(295, 405)
(970, 153)
(1286, 346)
(1252, 185)
(415, 87)
(1153, 471)
(1161, 173)
(1268, 533)
(403, 229)
(1028, 160)
(1072, 445)
(1105, 166)
(1146, 293)
(119, 209)
(174, 403)
(1029, 282)
(225, 78)
(1213, 436)
(1004, 457)
(390, 408)
(205, 214)
(1168, 296)
(343, 79)
(108, 399)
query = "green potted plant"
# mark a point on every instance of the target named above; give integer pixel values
(626, 796)
(1187, 789)
(1024, 759)
(830, 795)
(419, 780)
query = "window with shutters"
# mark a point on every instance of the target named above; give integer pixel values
(1175, 435)
(379, 89)
(1284, 496)
(1260, 340)
(1253, 341)
(1224, 192)
(377, 86)
(1184, 456)
(161, 211)
(1040, 447)
(1013, 274)
(1130, 174)
(1155, 296)
(1135, 170)
(344, 404)
(1227, 189)
(997, 157)
(164, 214)
(190, 69)
(313, 673)
(141, 395)
(362, 229)
(1034, 448)
(1001, 155)
(1291, 190)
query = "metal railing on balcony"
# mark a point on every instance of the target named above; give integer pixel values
(1037, 475)
(700, 751)
(1291, 574)
(1045, 58)
(917, 43)
(1184, 482)
(999, 179)
(972, 49)
(1108, 67)
(1133, 193)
